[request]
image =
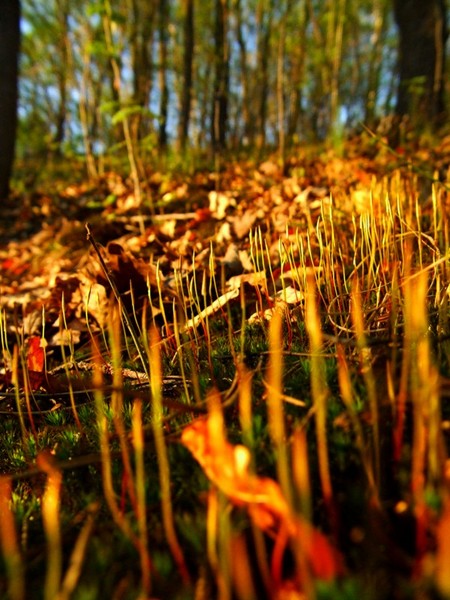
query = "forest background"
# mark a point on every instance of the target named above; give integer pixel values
(101, 79)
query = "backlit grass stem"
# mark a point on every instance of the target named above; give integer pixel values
(154, 358)
(141, 510)
(365, 357)
(428, 455)
(10, 543)
(117, 405)
(275, 411)
(78, 555)
(107, 478)
(319, 389)
(51, 501)
(346, 390)
(15, 380)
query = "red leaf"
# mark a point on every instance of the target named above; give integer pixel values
(35, 355)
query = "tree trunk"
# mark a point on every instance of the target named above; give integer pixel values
(296, 76)
(141, 42)
(379, 13)
(9, 58)
(422, 36)
(163, 86)
(248, 121)
(62, 74)
(221, 78)
(188, 58)
(264, 28)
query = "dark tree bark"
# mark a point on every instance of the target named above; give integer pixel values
(263, 51)
(422, 36)
(141, 40)
(221, 78)
(247, 118)
(163, 67)
(9, 58)
(188, 59)
(62, 74)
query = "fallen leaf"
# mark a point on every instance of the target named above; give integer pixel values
(227, 466)
(35, 354)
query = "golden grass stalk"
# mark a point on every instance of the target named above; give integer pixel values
(117, 404)
(442, 561)
(51, 501)
(133, 485)
(16, 384)
(102, 425)
(345, 387)
(300, 472)
(245, 404)
(67, 336)
(184, 350)
(218, 517)
(218, 540)
(301, 480)
(319, 389)
(10, 543)
(73, 572)
(241, 569)
(365, 357)
(428, 455)
(154, 359)
(138, 444)
(275, 410)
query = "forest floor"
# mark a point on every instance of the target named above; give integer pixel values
(234, 386)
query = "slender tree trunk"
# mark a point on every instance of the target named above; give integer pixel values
(264, 26)
(87, 115)
(62, 75)
(335, 38)
(296, 75)
(281, 109)
(422, 37)
(375, 59)
(221, 78)
(9, 58)
(163, 87)
(188, 59)
(141, 39)
(248, 124)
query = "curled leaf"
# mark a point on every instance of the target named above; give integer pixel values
(227, 466)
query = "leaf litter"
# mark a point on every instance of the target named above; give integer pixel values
(216, 243)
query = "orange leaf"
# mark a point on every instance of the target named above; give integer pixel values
(227, 466)
(35, 354)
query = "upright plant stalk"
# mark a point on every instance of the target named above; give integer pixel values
(50, 516)
(319, 390)
(16, 383)
(369, 380)
(117, 404)
(10, 543)
(275, 403)
(138, 443)
(74, 568)
(161, 453)
(345, 387)
(102, 424)
(428, 456)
